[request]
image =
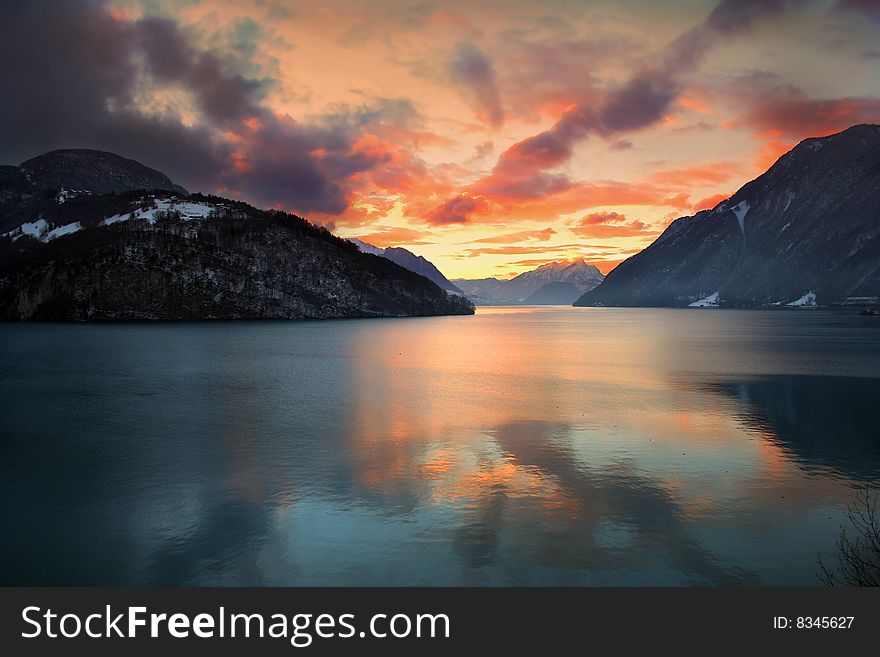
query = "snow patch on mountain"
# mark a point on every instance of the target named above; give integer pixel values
(65, 194)
(741, 210)
(188, 211)
(42, 231)
(788, 200)
(61, 231)
(35, 229)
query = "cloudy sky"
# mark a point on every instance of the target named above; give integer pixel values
(489, 136)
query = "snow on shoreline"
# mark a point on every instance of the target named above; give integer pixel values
(710, 301)
(806, 301)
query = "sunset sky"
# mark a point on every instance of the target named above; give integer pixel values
(488, 136)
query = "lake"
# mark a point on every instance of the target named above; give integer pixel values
(520, 446)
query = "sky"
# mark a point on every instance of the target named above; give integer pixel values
(490, 136)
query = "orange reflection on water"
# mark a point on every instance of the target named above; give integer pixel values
(433, 397)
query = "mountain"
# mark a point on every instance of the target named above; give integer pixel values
(38, 184)
(558, 293)
(806, 232)
(97, 172)
(73, 251)
(528, 287)
(484, 291)
(411, 261)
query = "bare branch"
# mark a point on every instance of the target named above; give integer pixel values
(857, 551)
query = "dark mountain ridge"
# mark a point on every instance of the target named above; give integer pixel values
(98, 172)
(71, 253)
(409, 260)
(810, 225)
(42, 183)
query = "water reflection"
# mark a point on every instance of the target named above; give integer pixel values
(821, 422)
(520, 446)
(610, 516)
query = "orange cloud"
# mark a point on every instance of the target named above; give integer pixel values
(695, 102)
(416, 138)
(713, 173)
(709, 202)
(772, 149)
(589, 226)
(605, 266)
(516, 250)
(523, 236)
(458, 210)
(395, 236)
(787, 111)
(603, 218)
(497, 206)
(602, 263)
(240, 162)
(529, 262)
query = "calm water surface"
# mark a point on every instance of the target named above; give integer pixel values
(521, 446)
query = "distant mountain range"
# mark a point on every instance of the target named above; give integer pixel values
(556, 283)
(88, 235)
(411, 261)
(806, 232)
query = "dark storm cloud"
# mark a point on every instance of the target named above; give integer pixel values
(222, 95)
(300, 166)
(395, 111)
(69, 80)
(869, 9)
(473, 70)
(276, 10)
(729, 18)
(646, 97)
(640, 102)
(77, 76)
(735, 16)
